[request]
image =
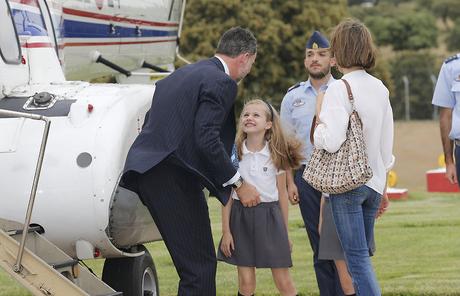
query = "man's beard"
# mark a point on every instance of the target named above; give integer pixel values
(321, 74)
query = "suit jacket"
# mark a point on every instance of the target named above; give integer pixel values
(192, 121)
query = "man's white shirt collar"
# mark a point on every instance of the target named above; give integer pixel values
(224, 64)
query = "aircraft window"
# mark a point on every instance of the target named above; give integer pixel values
(110, 3)
(9, 43)
(29, 21)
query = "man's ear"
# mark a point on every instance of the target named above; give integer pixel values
(333, 62)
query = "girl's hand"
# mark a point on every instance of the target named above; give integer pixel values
(227, 246)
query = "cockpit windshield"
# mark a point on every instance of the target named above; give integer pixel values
(10, 50)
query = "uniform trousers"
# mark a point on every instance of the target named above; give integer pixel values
(309, 203)
(178, 206)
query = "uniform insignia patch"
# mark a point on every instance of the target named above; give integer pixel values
(452, 58)
(298, 103)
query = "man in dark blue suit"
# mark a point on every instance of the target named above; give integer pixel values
(185, 145)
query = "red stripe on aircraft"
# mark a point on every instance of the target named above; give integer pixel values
(26, 2)
(113, 43)
(106, 17)
(37, 45)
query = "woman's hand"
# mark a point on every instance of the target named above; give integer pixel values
(384, 204)
(227, 246)
(319, 103)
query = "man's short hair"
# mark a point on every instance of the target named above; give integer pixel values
(237, 41)
(352, 45)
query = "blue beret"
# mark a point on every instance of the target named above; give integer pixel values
(317, 41)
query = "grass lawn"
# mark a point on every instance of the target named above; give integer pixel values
(418, 253)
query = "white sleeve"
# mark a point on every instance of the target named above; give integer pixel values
(443, 95)
(386, 145)
(335, 113)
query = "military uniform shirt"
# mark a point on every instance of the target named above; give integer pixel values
(297, 110)
(447, 92)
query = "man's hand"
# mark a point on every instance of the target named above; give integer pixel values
(227, 246)
(451, 173)
(248, 195)
(293, 193)
(384, 204)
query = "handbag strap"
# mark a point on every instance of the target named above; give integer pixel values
(350, 94)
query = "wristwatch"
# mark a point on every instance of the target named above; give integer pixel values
(238, 183)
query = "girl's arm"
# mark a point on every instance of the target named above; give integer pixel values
(227, 245)
(283, 197)
(283, 200)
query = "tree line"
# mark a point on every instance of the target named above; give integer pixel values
(409, 34)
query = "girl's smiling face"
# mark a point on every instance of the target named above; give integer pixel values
(254, 119)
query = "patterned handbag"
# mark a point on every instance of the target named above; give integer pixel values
(346, 169)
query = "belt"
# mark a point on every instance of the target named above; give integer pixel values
(457, 142)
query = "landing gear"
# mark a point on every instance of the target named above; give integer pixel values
(133, 276)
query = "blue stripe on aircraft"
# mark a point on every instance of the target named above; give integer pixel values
(31, 24)
(77, 29)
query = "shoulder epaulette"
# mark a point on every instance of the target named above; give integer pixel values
(294, 86)
(452, 58)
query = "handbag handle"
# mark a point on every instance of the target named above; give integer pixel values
(350, 94)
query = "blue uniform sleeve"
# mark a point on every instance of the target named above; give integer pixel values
(443, 95)
(286, 113)
(234, 157)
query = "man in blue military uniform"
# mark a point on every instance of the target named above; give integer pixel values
(447, 97)
(297, 110)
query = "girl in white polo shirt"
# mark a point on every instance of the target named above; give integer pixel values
(257, 237)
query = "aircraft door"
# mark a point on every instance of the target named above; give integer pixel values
(49, 24)
(9, 43)
(131, 33)
(12, 71)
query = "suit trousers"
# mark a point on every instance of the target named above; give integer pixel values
(176, 201)
(309, 203)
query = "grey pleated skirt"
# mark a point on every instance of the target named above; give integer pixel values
(259, 235)
(329, 242)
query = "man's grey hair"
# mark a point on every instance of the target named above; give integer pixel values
(237, 41)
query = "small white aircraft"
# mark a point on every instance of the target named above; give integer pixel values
(79, 206)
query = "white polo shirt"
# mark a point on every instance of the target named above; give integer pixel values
(258, 169)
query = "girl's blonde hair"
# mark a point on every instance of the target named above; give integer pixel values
(285, 151)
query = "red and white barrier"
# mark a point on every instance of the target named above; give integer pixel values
(397, 193)
(436, 181)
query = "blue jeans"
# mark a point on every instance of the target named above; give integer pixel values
(354, 215)
(310, 199)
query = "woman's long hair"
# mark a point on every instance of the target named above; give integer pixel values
(285, 150)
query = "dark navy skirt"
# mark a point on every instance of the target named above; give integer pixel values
(259, 235)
